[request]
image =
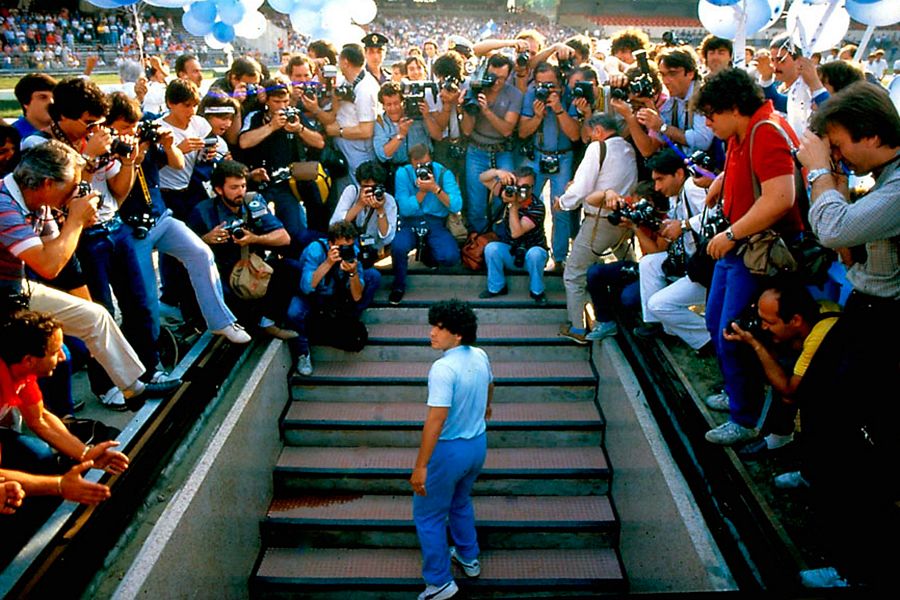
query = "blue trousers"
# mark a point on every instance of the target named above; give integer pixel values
(498, 258)
(604, 280)
(732, 290)
(291, 213)
(442, 248)
(565, 222)
(477, 162)
(452, 470)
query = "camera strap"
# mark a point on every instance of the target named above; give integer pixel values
(144, 187)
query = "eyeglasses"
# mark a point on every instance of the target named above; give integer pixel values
(92, 124)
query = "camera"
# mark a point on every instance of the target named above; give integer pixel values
(749, 321)
(700, 159)
(280, 175)
(641, 212)
(148, 131)
(619, 94)
(478, 85)
(584, 89)
(345, 92)
(120, 147)
(368, 255)
(378, 191)
(253, 89)
(522, 192)
(522, 59)
(291, 114)
(311, 89)
(450, 84)
(425, 171)
(414, 94)
(347, 252)
(549, 164)
(209, 144)
(642, 85)
(140, 224)
(420, 229)
(716, 222)
(518, 253)
(457, 150)
(235, 229)
(83, 189)
(542, 91)
(630, 271)
(566, 66)
(669, 39)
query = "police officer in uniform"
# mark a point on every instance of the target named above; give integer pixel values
(374, 44)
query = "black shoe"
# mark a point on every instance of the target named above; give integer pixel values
(647, 330)
(707, 350)
(159, 389)
(489, 294)
(539, 299)
(395, 297)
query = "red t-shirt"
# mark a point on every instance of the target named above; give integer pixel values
(23, 392)
(771, 158)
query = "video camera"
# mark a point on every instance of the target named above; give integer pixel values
(640, 213)
(482, 80)
(414, 94)
(642, 85)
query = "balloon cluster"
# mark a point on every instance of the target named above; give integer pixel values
(220, 21)
(335, 20)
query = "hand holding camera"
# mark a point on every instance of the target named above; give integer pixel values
(279, 120)
(98, 143)
(82, 208)
(191, 144)
(373, 196)
(347, 256)
(649, 118)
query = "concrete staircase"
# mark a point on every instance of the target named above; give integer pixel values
(341, 520)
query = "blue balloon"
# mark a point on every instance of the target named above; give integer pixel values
(204, 11)
(283, 6)
(223, 32)
(111, 3)
(724, 2)
(193, 26)
(231, 11)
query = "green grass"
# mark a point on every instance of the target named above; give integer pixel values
(8, 82)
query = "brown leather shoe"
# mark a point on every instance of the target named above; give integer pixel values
(282, 334)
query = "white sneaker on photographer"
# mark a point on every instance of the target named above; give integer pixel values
(234, 333)
(304, 365)
(113, 399)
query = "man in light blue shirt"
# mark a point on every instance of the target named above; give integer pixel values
(454, 445)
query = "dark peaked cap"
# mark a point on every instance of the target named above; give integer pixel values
(375, 40)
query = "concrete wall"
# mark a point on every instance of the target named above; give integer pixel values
(206, 540)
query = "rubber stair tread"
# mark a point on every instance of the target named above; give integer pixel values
(560, 510)
(377, 459)
(401, 566)
(470, 294)
(486, 331)
(413, 413)
(391, 371)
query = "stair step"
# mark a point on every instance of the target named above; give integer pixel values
(488, 334)
(400, 424)
(505, 373)
(530, 471)
(516, 282)
(417, 393)
(486, 315)
(421, 350)
(426, 296)
(386, 521)
(339, 570)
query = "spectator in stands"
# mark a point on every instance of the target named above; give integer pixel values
(352, 122)
(371, 208)
(187, 66)
(396, 131)
(44, 180)
(489, 119)
(332, 280)
(427, 192)
(733, 105)
(35, 95)
(616, 173)
(717, 53)
(453, 448)
(859, 127)
(9, 149)
(521, 242)
(876, 65)
(666, 292)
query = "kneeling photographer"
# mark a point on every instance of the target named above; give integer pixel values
(372, 209)
(427, 192)
(521, 242)
(335, 290)
(279, 136)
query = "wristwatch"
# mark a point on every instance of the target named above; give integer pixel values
(729, 234)
(815, 174)
(398, 137)
(664, 128)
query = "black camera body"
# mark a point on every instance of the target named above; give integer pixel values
(522, 59)
(549, 164)
(542, 91)
(584, 89)
(292, 114)
(716, 222)
(669, 39)
(477, 86)
(209, 144)
(518, 252)
(378, 191)
(235, 229)
(750, 322)
(640, 213)
(119, 147)
(345, 92)
(83, 189)
(451, 84)
(347, 252)
(414, 94)
(566, 66)
(522, 192)
(368, 254)
(642, 85)
(148, 131)
(700, 159)
(425, 171)
(141, 224)
(311, 89)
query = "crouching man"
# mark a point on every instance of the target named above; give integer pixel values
(453, 449)
(336, 289)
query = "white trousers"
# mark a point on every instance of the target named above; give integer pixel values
(668, 303)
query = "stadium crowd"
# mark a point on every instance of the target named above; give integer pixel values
(656, 177)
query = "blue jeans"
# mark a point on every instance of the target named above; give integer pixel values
(441, 246)
(452, 470)
(172, 237)
(477, 162)
(111, 260)
(604, 280)
(290, 212)
(732, 290)
(498, 258)
(27, 453)
(565, 222)
(303, 305)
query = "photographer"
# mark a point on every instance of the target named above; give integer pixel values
(608, 166)
(241, 82)
(152, 225)
(520, 231)
(552, 127)
(307, 88)
(640, 90)
(450, 149)
(356, 106)
(427, 192)
(529, 48)
(396, 130)
(371, 209)
(491, 112)
(336, 289)
(279, 136)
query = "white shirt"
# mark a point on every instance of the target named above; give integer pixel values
(155, 100)
(362, 110)
(348, 198)
(172, 179)
(694, 197)
(799, 106)
(618, 173)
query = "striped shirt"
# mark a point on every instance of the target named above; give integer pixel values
(20, 229)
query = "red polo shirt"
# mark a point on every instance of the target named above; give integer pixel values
(22, 392)
(771, 158)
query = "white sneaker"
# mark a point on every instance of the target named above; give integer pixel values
(791, 480)
(114, 399)
(439, 592)
(718, 401)
(471, 568)
(730, 433)
(159, 376)
(601, 330)
(304, 365)
(234, 333)
(826, 577)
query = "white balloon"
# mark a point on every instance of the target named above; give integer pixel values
(364, 11)
(722, 21)
(168, 3)
(305, 21)
(213, 43)
(803, 21)
(252, 26)
(777, 7)
(336, 14)
(894, 89)
(344, 33)
(878, 14)
(252, 5)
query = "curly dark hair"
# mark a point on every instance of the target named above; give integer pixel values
(665, 162)
(449, 64)
(226, 169)
(727, 89)
(75, 96)
(841, 73)
(629, 39)
(457, 317)
(31, 332)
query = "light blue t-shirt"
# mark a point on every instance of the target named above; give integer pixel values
(459, 381)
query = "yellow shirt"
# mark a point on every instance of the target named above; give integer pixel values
(814, 339)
